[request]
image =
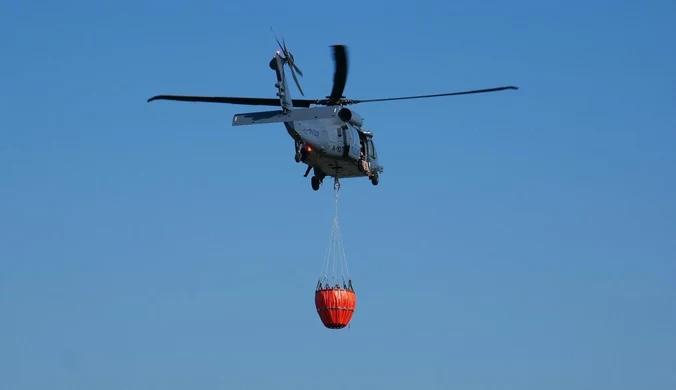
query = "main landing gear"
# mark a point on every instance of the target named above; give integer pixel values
(317, 179)
(375, 179)
(316, 182)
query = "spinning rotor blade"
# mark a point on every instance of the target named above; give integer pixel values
(288, 57)
(293, 67)
(296, 80)
(278, 42)
(429, 96)
(340, 74)
(231, 100)
(293, 63)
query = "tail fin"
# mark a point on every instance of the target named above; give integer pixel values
(277, 64)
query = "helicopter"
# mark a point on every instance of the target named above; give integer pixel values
(329, 139)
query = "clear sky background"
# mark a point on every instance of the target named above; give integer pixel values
(517, 240)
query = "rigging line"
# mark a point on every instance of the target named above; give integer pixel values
(329, 254)
(335, 228)
(325, 267)
(339, 236)
(335, 249)
(347, 270)
(341, 255)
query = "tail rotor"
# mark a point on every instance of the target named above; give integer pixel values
(288, 59)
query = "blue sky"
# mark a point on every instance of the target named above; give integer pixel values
(517, 240)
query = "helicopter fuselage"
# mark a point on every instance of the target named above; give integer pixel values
(327, 139)
(335, 148)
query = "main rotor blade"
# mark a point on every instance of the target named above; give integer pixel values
(247, 101)
(340, 74)
(430, 96)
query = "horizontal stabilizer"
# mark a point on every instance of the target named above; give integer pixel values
(279, 116)
(249, 101)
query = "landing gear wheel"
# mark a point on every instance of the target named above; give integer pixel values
(375, 179)
(315, 183)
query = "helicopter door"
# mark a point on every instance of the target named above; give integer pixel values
(338, 142)
(371, 150)
(354, 146)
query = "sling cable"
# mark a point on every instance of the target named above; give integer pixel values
(335, 298)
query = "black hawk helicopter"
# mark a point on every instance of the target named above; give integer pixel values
(329, 139)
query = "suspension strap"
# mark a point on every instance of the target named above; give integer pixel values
(335, 256)
(343, 264)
